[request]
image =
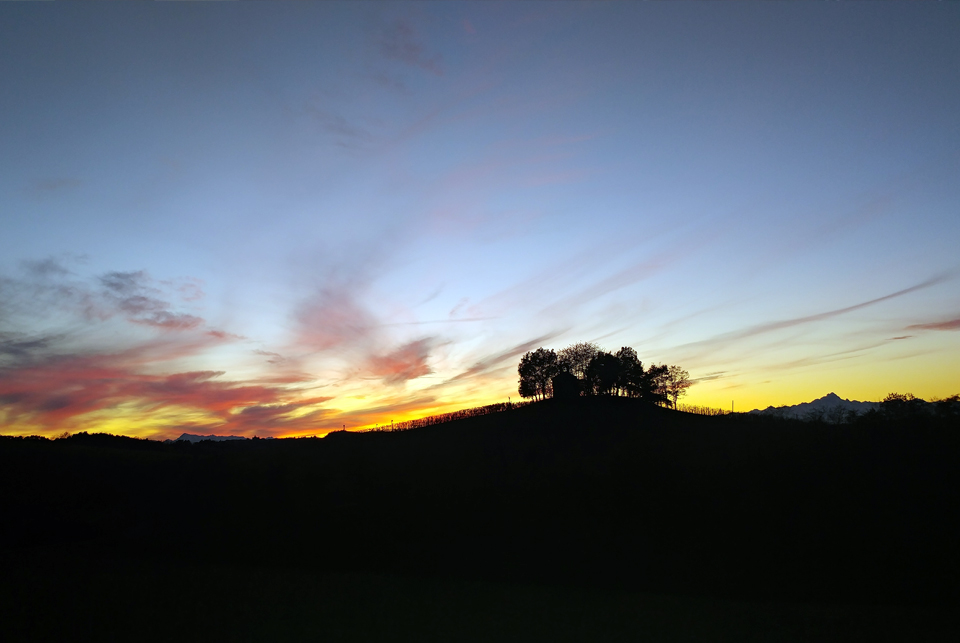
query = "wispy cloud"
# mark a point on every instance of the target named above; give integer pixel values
(58, 391)
(44, 268)
(133, 295)
(400, 42)
(55, 185)
(21, 347)
(405, 363)
(949, 324)
(391, 83)
(273, 358)
(47, 286)
(710, 377)
(71, 372)
(498, 360)
(334, 321)
(770, 327)
(346, 133)
(826, 358)
(334, 318)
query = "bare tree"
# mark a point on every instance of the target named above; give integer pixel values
(678, 381)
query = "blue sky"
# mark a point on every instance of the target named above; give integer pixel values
(323, 214)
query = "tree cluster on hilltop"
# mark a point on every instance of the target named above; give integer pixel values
(586, 369)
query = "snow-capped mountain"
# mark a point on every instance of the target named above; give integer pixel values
(189, 437)
(829, 404)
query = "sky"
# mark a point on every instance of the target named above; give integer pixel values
(282, 219)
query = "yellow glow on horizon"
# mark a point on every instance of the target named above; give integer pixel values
(929, 371)
(925, 366)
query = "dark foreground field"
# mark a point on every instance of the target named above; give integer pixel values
(601, 519)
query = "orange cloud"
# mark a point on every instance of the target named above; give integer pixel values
(137, 384)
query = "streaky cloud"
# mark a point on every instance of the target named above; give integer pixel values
(405, 363)
(763, 329)
(333, 318)
(55, 185)
(949, 324)
(399, 42)
(497, 360)
(60, 391)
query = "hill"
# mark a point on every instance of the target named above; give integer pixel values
(603, 493)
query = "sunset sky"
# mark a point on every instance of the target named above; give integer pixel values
(281, 219)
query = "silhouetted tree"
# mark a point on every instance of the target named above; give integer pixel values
(576, 358)
(900, 406)
(948, 406)
(630, 377)
(536, 370)
(593, 371)
(657, 384)
(678, 381)
(602, 373)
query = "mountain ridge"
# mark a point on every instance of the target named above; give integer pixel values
(831, 403)
(190, 437)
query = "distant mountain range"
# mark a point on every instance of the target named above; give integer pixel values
(829, 404)
(190, 437)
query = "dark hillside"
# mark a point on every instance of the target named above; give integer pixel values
(602, 492)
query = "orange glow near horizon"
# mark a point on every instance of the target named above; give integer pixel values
(158, 407)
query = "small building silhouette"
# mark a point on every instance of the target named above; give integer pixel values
(566, 386)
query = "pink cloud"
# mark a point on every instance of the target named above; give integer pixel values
(406, 363)
(57, 392)
(59, 389)
(333, 319)
(950, 324)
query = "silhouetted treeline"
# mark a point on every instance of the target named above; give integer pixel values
(443, 418)
(702, 410)
(586, 369)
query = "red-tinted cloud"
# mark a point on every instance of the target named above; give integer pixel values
(60, 389)
(406, 363)
(950, 324)
(334, 320)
